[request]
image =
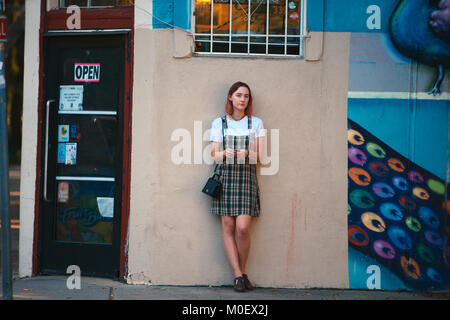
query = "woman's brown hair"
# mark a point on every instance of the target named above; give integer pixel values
(233, 89)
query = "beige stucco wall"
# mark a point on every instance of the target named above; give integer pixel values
(29, 141)
(300, 239)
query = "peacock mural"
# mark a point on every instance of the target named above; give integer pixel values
(420, 30)
(398, 208)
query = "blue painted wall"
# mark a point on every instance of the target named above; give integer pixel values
(173, 12)
(346, 15)
(417, 129)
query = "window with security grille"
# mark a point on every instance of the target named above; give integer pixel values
(249, 27)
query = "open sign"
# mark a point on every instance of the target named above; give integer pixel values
(86, 72)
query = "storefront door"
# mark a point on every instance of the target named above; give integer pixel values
(82, 139)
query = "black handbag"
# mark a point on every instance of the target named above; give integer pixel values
(213, 186)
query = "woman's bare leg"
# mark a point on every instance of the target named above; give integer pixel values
(243, 239)
(229, 244)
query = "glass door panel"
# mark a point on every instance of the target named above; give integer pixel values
(85, 211)
(86, 145)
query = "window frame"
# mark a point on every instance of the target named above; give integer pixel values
(302, 35)
(62, 5)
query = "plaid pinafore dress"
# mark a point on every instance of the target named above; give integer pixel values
(240, 190)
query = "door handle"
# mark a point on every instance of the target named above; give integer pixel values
(47, 117)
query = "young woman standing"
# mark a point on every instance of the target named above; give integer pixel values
(237, 157)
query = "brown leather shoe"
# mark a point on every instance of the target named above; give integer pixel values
(239, 284)
(247, 282)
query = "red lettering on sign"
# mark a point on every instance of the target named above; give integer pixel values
(3, 29)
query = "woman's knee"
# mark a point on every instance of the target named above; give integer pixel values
(243, 225)
(228, 225)
(242, 230)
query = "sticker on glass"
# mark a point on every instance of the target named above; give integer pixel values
(106, 206)
(63, 191)
(71, 98)
(294, 16)
(63, 133)
(74, 131)
(71, 153)
(86, 72)
(61, 158)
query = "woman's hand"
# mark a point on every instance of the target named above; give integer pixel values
(241, 154)
(216, 154)
(229, 153)
(253, 157)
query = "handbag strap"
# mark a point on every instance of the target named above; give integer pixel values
(224, 125)
(249, 126)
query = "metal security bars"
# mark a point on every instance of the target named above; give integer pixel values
(250, 27)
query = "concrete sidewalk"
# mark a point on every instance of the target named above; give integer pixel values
(55, 288)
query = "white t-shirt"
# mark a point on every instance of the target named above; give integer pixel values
(236, 128)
